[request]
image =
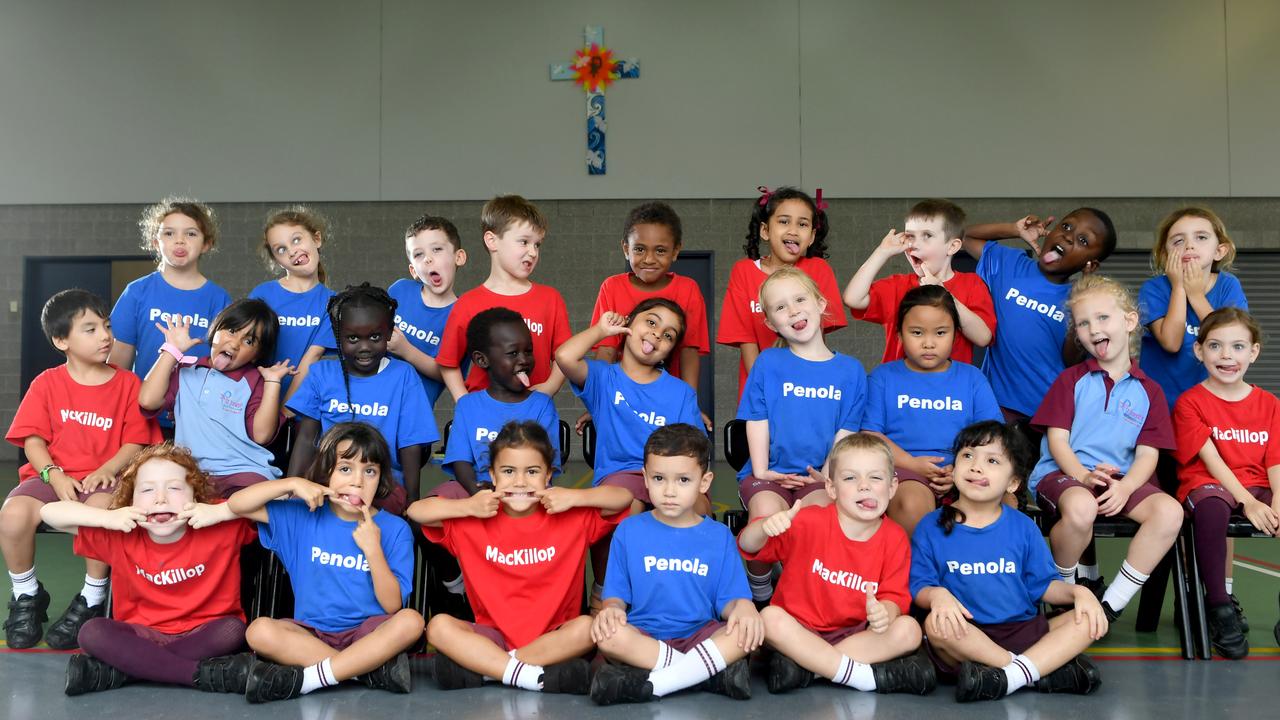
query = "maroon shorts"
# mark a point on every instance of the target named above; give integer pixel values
(632, 480)
(1049, 492)
(905, 475)
(43, 491)
(835, 636)
(396, 501)
(1016, 637)
(684, 644)
(449, 490)
(164, 638)
(494, 634)
(750, 486)
(1214, 490)
(227, 485)
(344, 639)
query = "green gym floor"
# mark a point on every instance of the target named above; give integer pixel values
(1143, 673)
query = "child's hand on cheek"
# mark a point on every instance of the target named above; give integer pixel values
(1173, 268)
(1031, 229)
(311, 493)
(556, 499)
(124, 519)
(277, 372)
(178, 334)
(1194, 280)
(200, 515)
(484, 504)
(367, 535)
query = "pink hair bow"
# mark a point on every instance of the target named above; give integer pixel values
(765, 194)
(818, 202)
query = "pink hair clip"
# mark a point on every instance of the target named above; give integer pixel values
(765, 194)
(818, 202)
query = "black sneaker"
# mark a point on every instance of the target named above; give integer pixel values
(268, 681)
(27, 616)
(734, 681)
(1235, 605)
(614, 684)
(571, 677)
(1112, 615)
(88, 674)
(64, 633)
(1097, 587)
(452, 676)
(785, 675)
(392, 675)
(980, 682)
(1225, 632)
(225, 674)
(1078, 677)
(911, 674)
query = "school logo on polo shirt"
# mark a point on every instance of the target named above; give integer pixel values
(1021, 300)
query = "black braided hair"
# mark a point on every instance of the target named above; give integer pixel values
(1017, 448)
(363, 295)
(760, 215)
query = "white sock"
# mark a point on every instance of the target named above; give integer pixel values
(1127, 582)
(95, 590)
(1228, 586)
(523, 676)
(318, 676)
(25, 583)
(1089, 572)
(761, 586)
(1067, 574)
(857, 675)
(456, 586)
(667, 656)
(1021, 672)
(699, 664)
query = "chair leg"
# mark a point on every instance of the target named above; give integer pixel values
(1200, 622)
(1186, 629)
(1151, 601)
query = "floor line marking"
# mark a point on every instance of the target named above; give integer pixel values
(1256, 561)
(1255, 568)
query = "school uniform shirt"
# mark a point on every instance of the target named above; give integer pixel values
(390, 400)
(923, 412)
(806, 402)
(674, 580)
(151, 299)
(83, 425)
(543, 310)
(422, 326)
(627, 412)
(524, 575)
(478, 418)
(304, 323)
(1031, 325)
(826, 576)
(1178, 371)
(618, 294)
(1107, 419)
(742, 319)
(171, 587)
(1245, 432)
(887, 294)
(332, 584)
(999, 572)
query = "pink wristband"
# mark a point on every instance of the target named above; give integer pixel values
(172, 350)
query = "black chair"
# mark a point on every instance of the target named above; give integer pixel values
(589, 443)
(1237, 527)
(736, 453)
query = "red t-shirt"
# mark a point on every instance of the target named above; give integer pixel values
(825, 575)
(524, 575)
(617, 294)
(172, 587)
(887, 294)
(1245, 432)
(742, 320)
(84, 425)
(543, 310)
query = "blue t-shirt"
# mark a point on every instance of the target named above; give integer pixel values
(675, 580)
(151, 299)
(332, 585)
(1177, 372)
(304, 322)
(923, 412)
(805, 402)
(422, 326)
(626, 413)
(999, 572)
(391, 401)
(1031, 324)
(478, 418)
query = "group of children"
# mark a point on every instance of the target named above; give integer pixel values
(890, 502)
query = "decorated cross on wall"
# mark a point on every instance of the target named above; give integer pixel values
(594, 67)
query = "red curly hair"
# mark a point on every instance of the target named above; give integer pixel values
(196, 478)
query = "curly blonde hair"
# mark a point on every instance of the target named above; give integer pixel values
(298, 216)
(153, 215)
(1095, 284)
(201, 488)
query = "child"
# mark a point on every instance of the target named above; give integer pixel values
(918, 404)
(841, 607)
(226, 409)
(521, 546)
(981, 570)
(79, 425)
(351, 568)
(365, 385)
(425, 299)
(934, 229)
(502, 346)
(798, 401)
(513, 233)
(177, 231)
(672, 575)
(177, 612)
(651, 241)
(1228, 459)
(291, 241)
(1104, 422)
(795, 228)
